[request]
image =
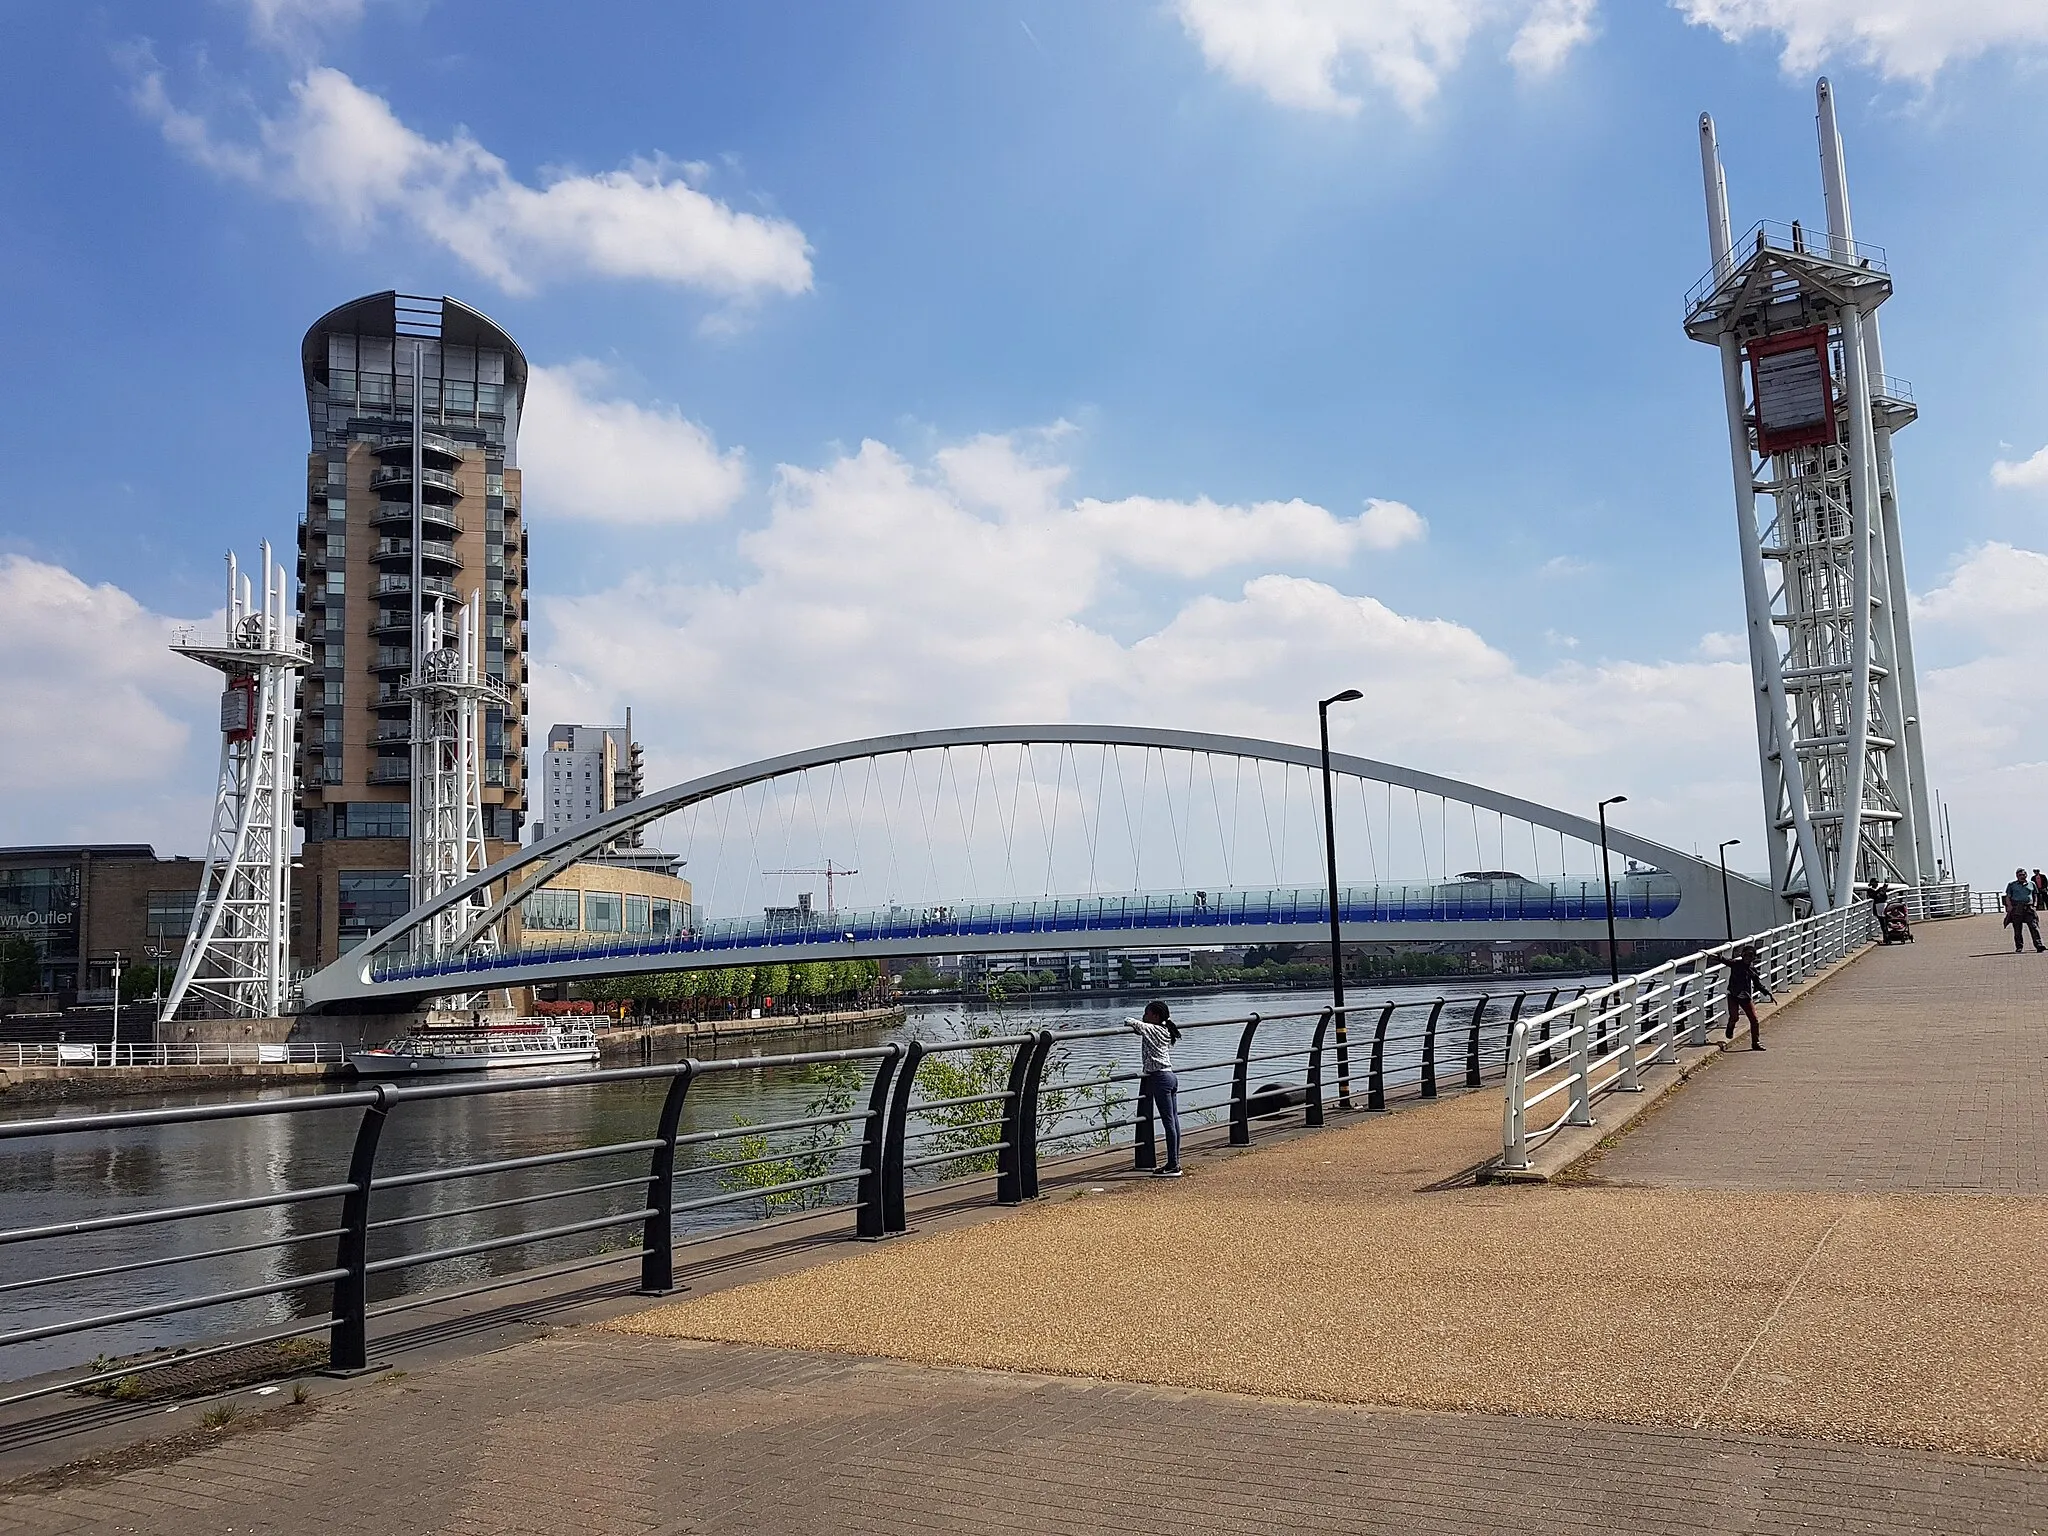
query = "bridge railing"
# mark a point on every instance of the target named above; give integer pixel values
(1637, 897)
(1562, 1059)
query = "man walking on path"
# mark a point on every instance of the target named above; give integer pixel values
(2020, 913)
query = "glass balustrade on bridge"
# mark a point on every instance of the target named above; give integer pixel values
(1210, 914)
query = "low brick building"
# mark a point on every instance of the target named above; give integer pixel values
(65, 911)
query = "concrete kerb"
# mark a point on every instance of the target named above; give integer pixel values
(1562, 1155)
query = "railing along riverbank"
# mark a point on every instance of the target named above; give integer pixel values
(333, 1249)
(186, 1053)
(1561, 1059)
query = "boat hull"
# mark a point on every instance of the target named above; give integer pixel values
(421, 1064)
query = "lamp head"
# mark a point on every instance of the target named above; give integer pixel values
(1614, 800)
(1345, 697)
(1732, 842)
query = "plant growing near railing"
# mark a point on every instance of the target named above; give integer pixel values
(813, 1154)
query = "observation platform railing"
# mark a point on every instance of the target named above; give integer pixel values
(1600, 1042)
(340, 1248)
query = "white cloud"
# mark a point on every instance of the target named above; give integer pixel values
(1563, 565)
(618, 462)
(2029, 473)
(104, 723)
(1985, 717)
(1903, 39)
(1329, 55)
(295, 25)
(1721, 645)
(343, 152)
(884, 595)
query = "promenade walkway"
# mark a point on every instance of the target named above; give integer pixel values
(1782, 1302)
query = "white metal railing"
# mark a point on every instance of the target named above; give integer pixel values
(1560, 1061)
(174, 1053)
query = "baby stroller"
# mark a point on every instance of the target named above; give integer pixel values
(1892, 924)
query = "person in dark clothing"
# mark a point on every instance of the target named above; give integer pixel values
(1744, 982)
(1157, 1034)
(2020, 914)
(2040, 892)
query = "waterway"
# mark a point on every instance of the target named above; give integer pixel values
(87, 1175)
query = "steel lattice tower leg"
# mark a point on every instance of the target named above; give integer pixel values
(237, 958)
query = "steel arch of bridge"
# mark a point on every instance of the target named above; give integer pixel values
(350, 981)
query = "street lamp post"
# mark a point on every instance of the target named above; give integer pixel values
(1336, 932)
(114, 1046)
(1727, 911)
(157, 957)
(1607, 878)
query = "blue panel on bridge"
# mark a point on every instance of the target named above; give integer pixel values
(1203, 916)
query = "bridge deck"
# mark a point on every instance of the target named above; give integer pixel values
(1750, 1339)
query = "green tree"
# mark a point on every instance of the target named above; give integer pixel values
(753, 1163)
(20, 967)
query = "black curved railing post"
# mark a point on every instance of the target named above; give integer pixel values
(657, 1234)
(1143, 1153)
(1545, 1061)
(1028, 1162)
(1507, 1047)
(1240, 1086)
(1376, 1079)
(1472, 1043)
(1429, 1050)
(1312, 1113)
(870, 1216)
(348, 1347)
(893, 1219)
(1010, 1155)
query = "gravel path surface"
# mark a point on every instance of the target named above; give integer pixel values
(1321, 1269)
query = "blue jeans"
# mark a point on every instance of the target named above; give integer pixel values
(1163, 1089)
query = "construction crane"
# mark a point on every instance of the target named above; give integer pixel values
(830, 872)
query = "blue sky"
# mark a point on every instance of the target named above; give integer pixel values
(1071, 271)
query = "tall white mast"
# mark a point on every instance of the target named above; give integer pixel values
(237, 957)
(1810, 429)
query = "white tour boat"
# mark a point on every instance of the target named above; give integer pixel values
(492, 1049)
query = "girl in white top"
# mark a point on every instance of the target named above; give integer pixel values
(1156, 1034)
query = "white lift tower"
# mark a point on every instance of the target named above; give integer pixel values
(1811, 415)
(449, 692)
(237, 956)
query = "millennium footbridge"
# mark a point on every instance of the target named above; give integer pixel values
(1057, 837)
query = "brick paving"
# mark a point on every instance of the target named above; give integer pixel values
(603, 1434)
(1922, 1067)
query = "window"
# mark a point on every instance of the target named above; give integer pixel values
(374, 818)
(370, 900)
(658, 923)
(170, 913)
(550, 910)
(601, 911)
(638, 918)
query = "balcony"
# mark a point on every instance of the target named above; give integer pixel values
(391, 730)
(389, 476)
(390, 583)
(430, 549)
(387, 770)
(430, 443)
(392, 658)
(399, 514)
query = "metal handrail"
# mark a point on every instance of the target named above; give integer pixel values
(1646, 1017)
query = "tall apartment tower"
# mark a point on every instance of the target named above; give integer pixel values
(588, 770)
(388, 459)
